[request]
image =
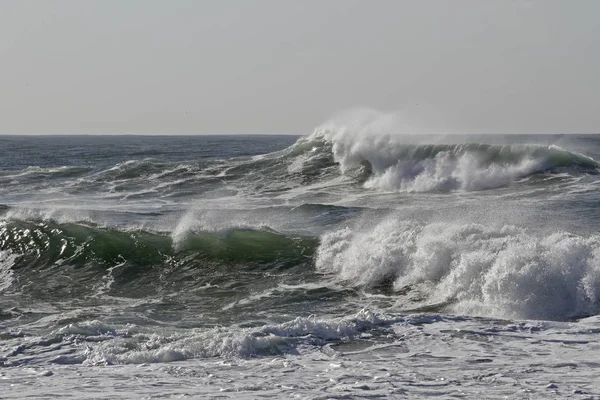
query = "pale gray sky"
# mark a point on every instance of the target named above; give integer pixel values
(276, 66)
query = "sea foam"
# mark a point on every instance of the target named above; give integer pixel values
(102, 344)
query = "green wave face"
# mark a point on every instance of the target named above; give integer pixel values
(84, 255)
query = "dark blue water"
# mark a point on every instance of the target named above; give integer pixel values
(19, 152)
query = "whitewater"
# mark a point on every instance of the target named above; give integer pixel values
(353, 262)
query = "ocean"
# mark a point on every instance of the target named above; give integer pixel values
(337, 265)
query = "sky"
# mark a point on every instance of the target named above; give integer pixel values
(273, 66)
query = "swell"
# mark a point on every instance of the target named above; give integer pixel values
(84, 254)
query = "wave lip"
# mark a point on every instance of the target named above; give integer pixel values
(470, 269)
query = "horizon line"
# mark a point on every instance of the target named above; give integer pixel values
(283, 134)
(152, 134)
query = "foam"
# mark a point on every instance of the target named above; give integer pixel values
(471, 269)
(36, 170)
(58, 213)
(7, 260)
(107, 345)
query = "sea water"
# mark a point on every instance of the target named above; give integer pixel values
(348, 263)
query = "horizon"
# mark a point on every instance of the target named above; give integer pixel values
(174, 135)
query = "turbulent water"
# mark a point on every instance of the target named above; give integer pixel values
(342, 264)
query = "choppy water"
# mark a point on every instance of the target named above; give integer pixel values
(344, 264)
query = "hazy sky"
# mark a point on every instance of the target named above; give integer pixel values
(276, 66)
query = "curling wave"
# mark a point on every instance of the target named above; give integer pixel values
(388, 162)
(88, 251)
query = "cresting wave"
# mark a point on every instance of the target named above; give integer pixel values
(394, 162)
(86, 252)
(469, 269)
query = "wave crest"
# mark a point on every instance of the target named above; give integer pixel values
(400, 162)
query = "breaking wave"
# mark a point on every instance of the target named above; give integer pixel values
(395, 162)
(86, 252)
(470, 269)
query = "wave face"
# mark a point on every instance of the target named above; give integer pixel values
(470, 268)
(82, 258)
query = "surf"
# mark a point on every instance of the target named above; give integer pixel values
(502, 271)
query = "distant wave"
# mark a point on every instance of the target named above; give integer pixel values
(392, 162)
(380, 162)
